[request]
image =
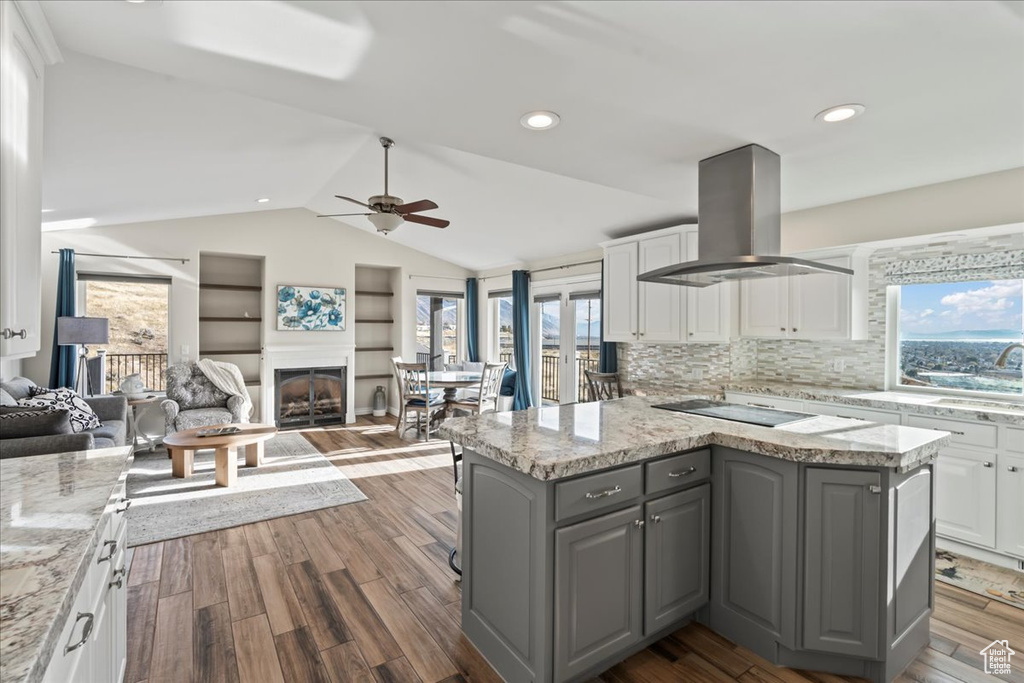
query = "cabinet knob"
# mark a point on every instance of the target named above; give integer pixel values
(782, 329)
(1011, 468)
(656, 519)
(794, 329)
(986, 464)
(873, 488)
(639, 523)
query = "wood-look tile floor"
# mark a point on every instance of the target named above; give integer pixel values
(363, 592)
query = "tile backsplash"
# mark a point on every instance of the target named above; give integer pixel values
(666, 368)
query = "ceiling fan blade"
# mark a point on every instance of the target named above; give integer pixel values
(413, 207)
(354, 201)
(427, 220)
(334, 215)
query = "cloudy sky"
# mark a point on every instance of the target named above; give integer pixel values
(949, 307)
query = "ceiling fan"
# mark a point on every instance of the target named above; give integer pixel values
(386, 211)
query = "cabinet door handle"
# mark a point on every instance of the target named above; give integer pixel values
(113, 549)
(874, 488)
(951, 431)
(604, 494)
(639, 523)
(986, 464)
(127, 504)
(8, 333)
(86, 631)
(760, 405)
(851, 417)
(1011, 468)
(683, 473)
(656, 519)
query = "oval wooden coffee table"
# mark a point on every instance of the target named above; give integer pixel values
(182, 447)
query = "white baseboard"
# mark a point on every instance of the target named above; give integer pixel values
(983, 554)
(369, 411)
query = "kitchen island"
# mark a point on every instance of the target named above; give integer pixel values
(591, 531)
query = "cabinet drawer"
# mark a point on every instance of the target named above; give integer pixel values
(1014, 440)
(766, 401)
(678, 470)
(597, 491)
(964, 433)
(839, 410)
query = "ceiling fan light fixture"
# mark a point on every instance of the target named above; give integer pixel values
(842, 112)
(540, 120)
(385, 222)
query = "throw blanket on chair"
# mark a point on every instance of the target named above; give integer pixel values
(228, 378)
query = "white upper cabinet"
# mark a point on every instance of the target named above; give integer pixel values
(620, 292)
(27, 46)
(655, 312)
(708, 309)
(661, 317)
(819, 306)
(764, 307)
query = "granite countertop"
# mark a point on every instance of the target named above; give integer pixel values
(52, 510)
(1003, 412)
(556, 442)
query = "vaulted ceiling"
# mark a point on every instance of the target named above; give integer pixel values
(174, 109)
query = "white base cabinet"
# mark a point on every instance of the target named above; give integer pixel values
(965, 496)
(1010, 504)
(93, 643)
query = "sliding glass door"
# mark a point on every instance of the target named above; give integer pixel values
(566, 333)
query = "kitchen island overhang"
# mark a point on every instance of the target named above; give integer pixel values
(813, 544)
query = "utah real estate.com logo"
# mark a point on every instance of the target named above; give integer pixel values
(997, 657)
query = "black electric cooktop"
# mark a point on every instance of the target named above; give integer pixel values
(765, 417)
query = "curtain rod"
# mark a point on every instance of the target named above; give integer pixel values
(544, 270)
(126, 256)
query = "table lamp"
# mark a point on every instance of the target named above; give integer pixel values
(82, 331)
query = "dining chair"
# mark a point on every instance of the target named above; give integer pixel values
(603, 386)
(484, 397)
(416, 397)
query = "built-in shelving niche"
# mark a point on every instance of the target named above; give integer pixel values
(230, 315)
(372, 312)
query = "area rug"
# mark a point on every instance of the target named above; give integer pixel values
(293, 478)
(987, 580)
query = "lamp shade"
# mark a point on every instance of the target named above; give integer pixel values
(72, 330)
(385, 222)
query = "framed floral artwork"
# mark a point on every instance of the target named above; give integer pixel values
(310, 308)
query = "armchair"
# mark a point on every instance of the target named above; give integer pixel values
(194, 401)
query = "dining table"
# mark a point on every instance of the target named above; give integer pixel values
(451, 381)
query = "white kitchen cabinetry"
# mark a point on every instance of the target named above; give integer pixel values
(818, 306)
(655, 312)
(620, 292)
(660, 309)
(965, 496)
(708, 309)
(27, 46)
(1010, 504)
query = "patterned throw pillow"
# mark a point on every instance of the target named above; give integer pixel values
(82, 416)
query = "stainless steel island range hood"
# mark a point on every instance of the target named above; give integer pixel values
(739, 223)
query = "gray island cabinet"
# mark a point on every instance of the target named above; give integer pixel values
(592, 531)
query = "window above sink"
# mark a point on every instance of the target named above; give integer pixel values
(949, 335)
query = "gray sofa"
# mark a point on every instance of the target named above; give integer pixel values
(111, 410)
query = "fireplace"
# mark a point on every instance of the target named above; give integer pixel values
(305, 397)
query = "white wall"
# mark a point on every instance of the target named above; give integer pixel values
(964, 204)
(298, 247)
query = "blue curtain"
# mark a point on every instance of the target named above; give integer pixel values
(523, 397)
(62, 360)
(608, 360)
(472, 325)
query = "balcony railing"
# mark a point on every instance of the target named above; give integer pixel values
(549, 371)
(151, 366)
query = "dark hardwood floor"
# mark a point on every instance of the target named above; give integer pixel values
(363, 592)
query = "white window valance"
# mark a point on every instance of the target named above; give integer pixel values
(1001, 265)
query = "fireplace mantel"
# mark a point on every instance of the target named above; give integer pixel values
(283, 356)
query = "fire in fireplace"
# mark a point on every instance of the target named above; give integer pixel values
(309, 396)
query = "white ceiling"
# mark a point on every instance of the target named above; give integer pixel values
(192, 108)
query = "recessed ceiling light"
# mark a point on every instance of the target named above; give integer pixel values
(843, 112)
(540, 120)
(263, 200)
